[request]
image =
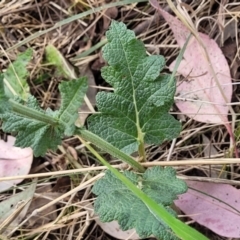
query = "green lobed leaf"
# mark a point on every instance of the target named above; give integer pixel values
(182, 230)
(137, 111)
(39, 129)
(116, 202)
(16, 76)
(162, 185)
(72, 93)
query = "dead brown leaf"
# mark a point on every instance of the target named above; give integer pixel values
(231, 53)
(110, 13)
(47, 215)
(62, 185)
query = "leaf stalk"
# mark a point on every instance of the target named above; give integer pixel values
(32, 113)
(109, 148)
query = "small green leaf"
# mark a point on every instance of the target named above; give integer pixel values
(16, 76)
(116, 202)
(72, 93)
(137, 111)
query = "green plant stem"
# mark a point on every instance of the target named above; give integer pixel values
(109, 148)
(99, 142)
(32, 113)
(141, 152)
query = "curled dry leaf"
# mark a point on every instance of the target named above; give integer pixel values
(215, 206)
(201, 97)
(14, 161)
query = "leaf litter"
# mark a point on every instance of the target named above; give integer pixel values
(14, 209)
(14, 161)
(202, 100)
(66, 42)
(215, 206)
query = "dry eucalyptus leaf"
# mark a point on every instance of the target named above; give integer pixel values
(47, 215)
(215, 206)
(206, 102)
(201, 98)
(14, 161)
(14, 209)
